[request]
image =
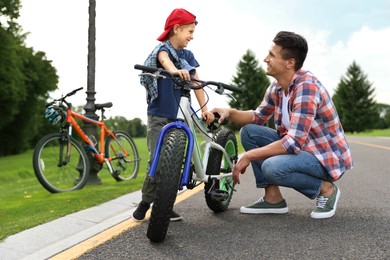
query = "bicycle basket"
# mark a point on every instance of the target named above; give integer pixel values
(55, 114)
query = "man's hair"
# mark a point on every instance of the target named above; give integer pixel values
(293, 46)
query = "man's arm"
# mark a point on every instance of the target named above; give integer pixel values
(237, 116)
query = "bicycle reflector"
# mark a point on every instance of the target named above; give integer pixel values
(55, 115)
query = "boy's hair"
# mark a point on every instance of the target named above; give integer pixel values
(293, 46)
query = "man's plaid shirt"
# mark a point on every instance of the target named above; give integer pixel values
(314, 123)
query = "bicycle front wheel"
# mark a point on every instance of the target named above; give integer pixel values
(171, 162)
(55, 170)
(125, 166)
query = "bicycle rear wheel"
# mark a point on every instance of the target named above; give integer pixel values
(125, 167)
(218, 193)
(171, 162)
(51, 167)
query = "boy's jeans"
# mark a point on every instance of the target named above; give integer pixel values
(302, 172)
(155, 124)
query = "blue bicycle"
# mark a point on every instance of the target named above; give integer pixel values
(184, 162)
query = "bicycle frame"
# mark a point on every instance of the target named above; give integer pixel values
(104, 132)
(186, 113)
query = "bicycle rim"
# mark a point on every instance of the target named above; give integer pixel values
(125, 166)
(50, 166)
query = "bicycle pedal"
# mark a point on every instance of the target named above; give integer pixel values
(116, 173)
(219, 195)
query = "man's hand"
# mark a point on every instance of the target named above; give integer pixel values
(240, 167)
(223, 113)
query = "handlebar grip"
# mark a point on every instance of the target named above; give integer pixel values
(232, 88)
(145, 68)
(73, 92)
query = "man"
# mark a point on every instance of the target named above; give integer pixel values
(308, 150)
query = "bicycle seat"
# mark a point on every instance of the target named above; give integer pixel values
(104, 105)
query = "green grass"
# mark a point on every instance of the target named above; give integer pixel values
(379, 132)
(25, 203)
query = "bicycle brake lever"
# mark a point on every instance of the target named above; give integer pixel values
(155, 75)
(230, 95)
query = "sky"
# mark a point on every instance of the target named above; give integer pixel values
(338, 32)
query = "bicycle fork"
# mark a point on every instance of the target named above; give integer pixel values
(65, 143)
(188, 154)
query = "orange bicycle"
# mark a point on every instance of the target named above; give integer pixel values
(60, 161)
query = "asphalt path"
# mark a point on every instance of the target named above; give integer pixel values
(359, 230)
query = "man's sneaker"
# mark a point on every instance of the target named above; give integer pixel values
(263, 207)
(326, 207)
(175, 217)
(139, 213)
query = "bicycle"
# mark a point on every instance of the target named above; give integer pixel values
(185, 162)
(61, 163)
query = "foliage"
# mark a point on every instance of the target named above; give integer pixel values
(25, 78)
(383, 121)
(25, 94)
(134, 127)
(354, 100)
(9, 11)
(251, 78)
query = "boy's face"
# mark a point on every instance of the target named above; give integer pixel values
(184, 34)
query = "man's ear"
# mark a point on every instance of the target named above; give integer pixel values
(291, 63)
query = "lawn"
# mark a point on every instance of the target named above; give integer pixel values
(381, 132)
(25, 203)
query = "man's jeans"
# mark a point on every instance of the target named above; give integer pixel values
(302, 172)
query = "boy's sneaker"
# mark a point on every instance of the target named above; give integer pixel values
(175, 217)
(139, 213)
(326, 207)
(263, 207)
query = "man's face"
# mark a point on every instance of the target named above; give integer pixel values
(276, 65)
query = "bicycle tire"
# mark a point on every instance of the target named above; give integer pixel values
(125, 168)
(68, 177)
(171, 162)
(226, 139)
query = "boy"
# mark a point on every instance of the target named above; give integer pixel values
(162, 98)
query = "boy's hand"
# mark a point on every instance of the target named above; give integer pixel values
(183, 74)
(208, 117)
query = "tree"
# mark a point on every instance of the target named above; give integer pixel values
(26, 77)
(134, 127)
(11, 76)
(383, 120)
(137, 128)
(387, 118)
(354, 100)
(251, 78)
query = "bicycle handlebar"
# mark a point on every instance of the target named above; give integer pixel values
(159, 72)
(73, 92)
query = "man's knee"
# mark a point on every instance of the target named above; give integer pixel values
(273, 169)
(245, 135)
